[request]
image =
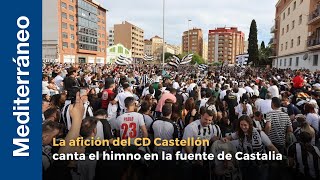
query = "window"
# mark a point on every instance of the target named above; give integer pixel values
(294, 5)
(282, 31)
(63, 5)
(71, 27)
(284, 16)
(64, 25)
(65, 45)
(315, 60)
(64, 35)
(297, 61)
(72, 36)
(293, 24)
(300, 19)
(287, 27)
(281, 47)
(288, 11)
(71, 8)
(71, 17)
(290, 62)
(280, 62)
(72, 45)
(291, 43)
(286, 45)
(285, 62)
(298, 40)
(64, 15)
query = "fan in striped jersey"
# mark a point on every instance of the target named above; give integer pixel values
(148, 58)
(123, 61)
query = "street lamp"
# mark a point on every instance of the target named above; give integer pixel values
(163, 48)
(188, 35)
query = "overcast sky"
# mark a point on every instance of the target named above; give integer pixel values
(205, 14)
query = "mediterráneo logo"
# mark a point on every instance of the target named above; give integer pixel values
(21, 102)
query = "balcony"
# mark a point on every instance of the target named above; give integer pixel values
(273, 29)
(273, 41)
(314, 17)
(313, 43)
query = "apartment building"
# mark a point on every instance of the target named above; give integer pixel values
(131, 36)
(111, 37)
(313, 42)
(192, 41)
(74, 31)
(224, 44)
(296, 39)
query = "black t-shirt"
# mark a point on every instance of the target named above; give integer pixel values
(69, 82)
(231, 100)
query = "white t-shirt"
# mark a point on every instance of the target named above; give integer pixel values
(203, 101)
(257, 103)
(313, 120)
(112, 110)
(196, 130)
(241, 91)
(129, 125)
(265, 106)
(176, 85)
(274, 91)
(58, 80)
(191, 86)
(164, 130)
(121, 97)
(239, 110)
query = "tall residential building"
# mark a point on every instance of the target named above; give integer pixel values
(224, 44)
(313, 43)
(74, 31)
(111, 37)
(297, 34)
(192, 43)
(131, 37)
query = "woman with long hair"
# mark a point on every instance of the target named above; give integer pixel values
(251, 141)
(189, 111)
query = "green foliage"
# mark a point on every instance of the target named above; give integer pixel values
(167, 55)
(264, 54)
(262, 46)
(253, 49)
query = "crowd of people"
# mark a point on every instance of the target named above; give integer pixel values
(247, 110)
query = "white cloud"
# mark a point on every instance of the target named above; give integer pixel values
(205, 14)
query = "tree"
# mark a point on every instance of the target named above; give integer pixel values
(167, 55)
(253, 49)
(262, 46)
(264, 54)
(197, 59)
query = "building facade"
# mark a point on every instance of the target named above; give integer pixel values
(192, 41)
(205, 51)
(113, 52)
(131, 37)
(111, 37)
(224, 44)
(295, 34)
(76, 29)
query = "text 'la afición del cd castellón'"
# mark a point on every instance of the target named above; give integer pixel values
(143, 142)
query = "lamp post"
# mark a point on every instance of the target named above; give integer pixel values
(188, 36)
(163, 48)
